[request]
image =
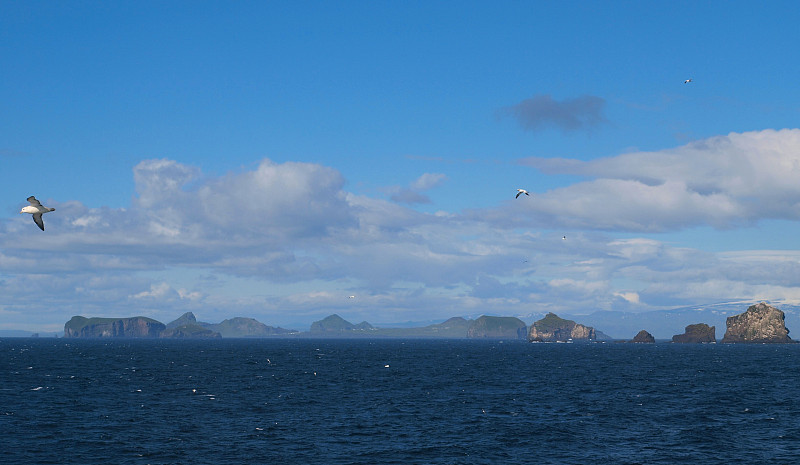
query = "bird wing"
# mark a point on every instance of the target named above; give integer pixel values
(34, 202)
(37, 218)
(517, 196)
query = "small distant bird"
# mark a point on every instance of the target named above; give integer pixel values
(520, 192)
(687, 81)
(36, 209)
(564, 238)
(351, 297)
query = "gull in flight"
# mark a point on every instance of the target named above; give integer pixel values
(687, 81)
(36, 209)
(520, 192)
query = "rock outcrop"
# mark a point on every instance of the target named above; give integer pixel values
(643, 337)
(138, 326)
(698, 333)
(761, 323)
(187, 318)
(551, 328)
(497, 327)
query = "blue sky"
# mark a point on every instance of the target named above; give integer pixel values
(269, 159)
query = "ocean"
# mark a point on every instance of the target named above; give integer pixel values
(334, 401)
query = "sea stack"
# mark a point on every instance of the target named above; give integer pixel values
(761, 323)
(694, 334)
(643, 337)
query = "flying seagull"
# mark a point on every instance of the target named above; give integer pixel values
(36, 209)
(520, 192)
(687, 81)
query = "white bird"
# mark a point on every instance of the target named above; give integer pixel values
(687, 81)
(351, 297)
(520, 192)
(36, 209)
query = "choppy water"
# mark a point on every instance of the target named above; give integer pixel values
(396, 402)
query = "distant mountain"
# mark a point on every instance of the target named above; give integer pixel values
(246, 327)
(497, 327)
(337, 324)
(453, 328)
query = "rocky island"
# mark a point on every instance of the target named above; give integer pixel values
(698, 333)
(761, 323)
(186, 326)
(138, 326)
(551, 328)
(643, 337)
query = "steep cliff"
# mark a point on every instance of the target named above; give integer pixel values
(551, 328)
(187, 318)
(137, 326)
(497, 327)
(760, 323)
(698, 333)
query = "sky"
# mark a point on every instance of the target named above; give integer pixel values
(271, 159)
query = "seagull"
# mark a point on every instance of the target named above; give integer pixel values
(36, 209)
(687, 81)
(520, 192)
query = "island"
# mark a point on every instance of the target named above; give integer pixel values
(135, 327)
(186, 326)
(697, 333)
(761, 323)
(497, 327)
(551, 328)
(643, 337)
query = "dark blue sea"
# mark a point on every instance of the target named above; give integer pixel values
(311, 401)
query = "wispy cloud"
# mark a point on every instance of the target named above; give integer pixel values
(413, 194)
(542, 111)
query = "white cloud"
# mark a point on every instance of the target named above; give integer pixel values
(724, 182)
(157, 291)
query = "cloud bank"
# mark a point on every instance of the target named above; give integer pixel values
(286, 243)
